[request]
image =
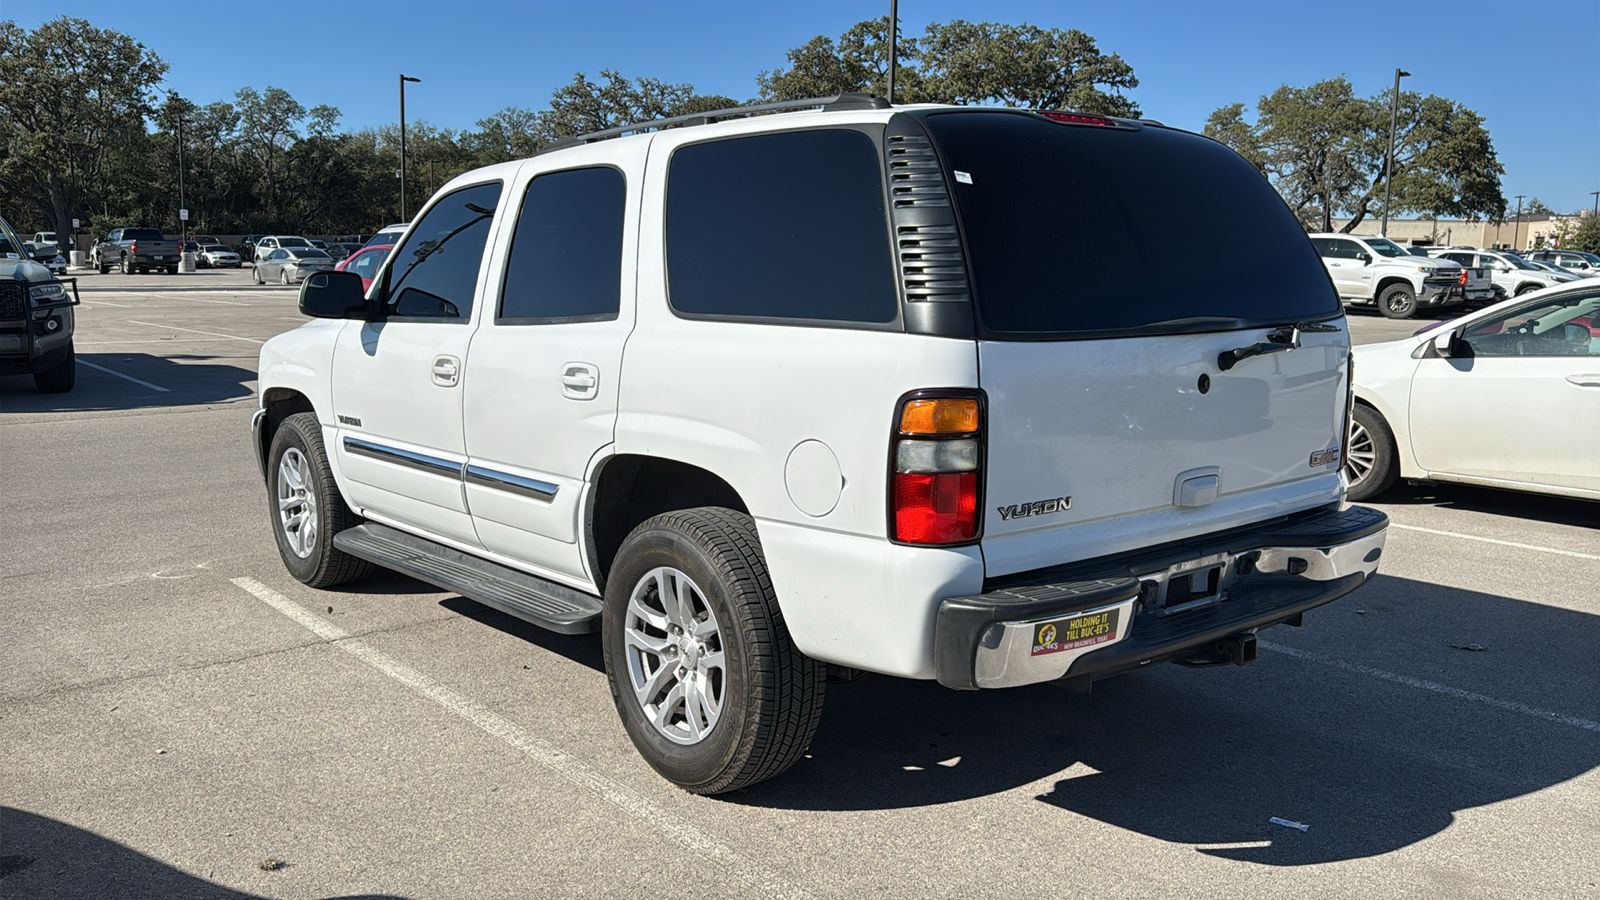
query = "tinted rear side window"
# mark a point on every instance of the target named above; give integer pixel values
(1074, 230)
(788, 226)
(566, 254)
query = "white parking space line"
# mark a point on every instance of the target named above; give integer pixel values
(198, 299)
(1487, 540)
(558, 761)
(143, 341)
(153, 387)
(231, 337)
(1432, 687)
(94, 303)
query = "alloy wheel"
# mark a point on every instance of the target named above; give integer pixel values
(1362, 455)
(297, 502)
(676, 665)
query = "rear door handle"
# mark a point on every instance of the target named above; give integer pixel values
(580, 381)
(1587, 381)
(446, 371)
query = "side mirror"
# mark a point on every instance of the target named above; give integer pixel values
(1443, 343)
(334, 295)
(1366, 258)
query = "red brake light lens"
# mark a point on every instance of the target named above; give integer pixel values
(935, 509)
(1077, 119)
(1463, 277)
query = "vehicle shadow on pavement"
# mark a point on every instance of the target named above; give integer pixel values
(1206, 758)
(186, 380)
(45, 857)
(583, 649)
(1515, 504)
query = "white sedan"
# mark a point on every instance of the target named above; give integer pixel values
(1506, 397)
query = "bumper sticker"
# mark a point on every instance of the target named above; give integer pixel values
(1075, 633)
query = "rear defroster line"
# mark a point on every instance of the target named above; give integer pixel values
(563, 764)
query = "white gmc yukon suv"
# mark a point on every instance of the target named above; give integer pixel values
(765, 398)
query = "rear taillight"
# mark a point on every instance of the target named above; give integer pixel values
(133, 247)
(1349, 405)
(1463, 277)
(935, 467)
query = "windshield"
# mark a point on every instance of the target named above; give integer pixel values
(1517, 262)
(8, 238)
(293, 242)
(1386, 247)
(1053, 252)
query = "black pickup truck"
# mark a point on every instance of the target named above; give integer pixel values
(136, 250)
(36, 319)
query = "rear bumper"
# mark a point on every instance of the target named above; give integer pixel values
(1441, 294)
(1112, 615)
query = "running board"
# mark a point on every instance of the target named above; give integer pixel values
(529, 597)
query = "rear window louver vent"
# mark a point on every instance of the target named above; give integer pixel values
(932, 263)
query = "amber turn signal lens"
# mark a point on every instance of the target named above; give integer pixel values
(945, 415)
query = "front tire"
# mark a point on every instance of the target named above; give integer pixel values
(59, 378)
(1370, 465)
(306, 506)
(255, 275)
(1398, 302)
(705, 677)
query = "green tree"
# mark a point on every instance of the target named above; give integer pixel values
(1586, 237)
(1326, 150)
(71, 97)
(1025, 66)
(268, 125)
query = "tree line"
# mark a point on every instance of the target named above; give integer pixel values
(87, 132)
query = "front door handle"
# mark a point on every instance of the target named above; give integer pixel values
(1591, 380)
(446, 371)
(580, 381)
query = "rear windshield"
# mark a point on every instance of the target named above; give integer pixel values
(1074, 230)
(142, 234)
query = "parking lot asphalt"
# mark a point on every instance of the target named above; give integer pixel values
(180, 718)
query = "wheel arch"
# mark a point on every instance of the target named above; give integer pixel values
(277, 404)
(1396, 421)
(629, 488)
(1392, 280)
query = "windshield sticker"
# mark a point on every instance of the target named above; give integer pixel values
(963, 177)
(12, 256)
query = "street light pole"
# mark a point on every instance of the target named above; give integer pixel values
(183, 224)
(1388, 166)
(403, 79)
(894, 32)
(1596, 202)
(1516, 230)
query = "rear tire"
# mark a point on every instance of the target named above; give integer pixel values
(691, 623)
(1398, 302)
(172, 270)
(59, 378)
(127, 266)
(283, 277)
(1370, 465)
(306, 507)
(1527, 289)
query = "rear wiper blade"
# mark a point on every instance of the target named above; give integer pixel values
(1279, 340)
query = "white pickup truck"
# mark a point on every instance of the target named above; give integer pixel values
(765, 398)
(1376, 271)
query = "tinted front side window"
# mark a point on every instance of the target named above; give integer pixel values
(782, 226)
(566, 254)
(435, 272)
(1056, 219)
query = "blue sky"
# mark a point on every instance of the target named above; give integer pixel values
(1531, 70)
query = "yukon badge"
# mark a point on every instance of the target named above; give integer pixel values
(1036, 508)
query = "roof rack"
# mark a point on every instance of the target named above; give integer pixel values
(847, 100)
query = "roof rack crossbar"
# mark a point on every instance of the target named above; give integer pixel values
(847, 100)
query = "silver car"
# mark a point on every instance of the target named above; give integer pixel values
(291, 265)
(216, 256)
